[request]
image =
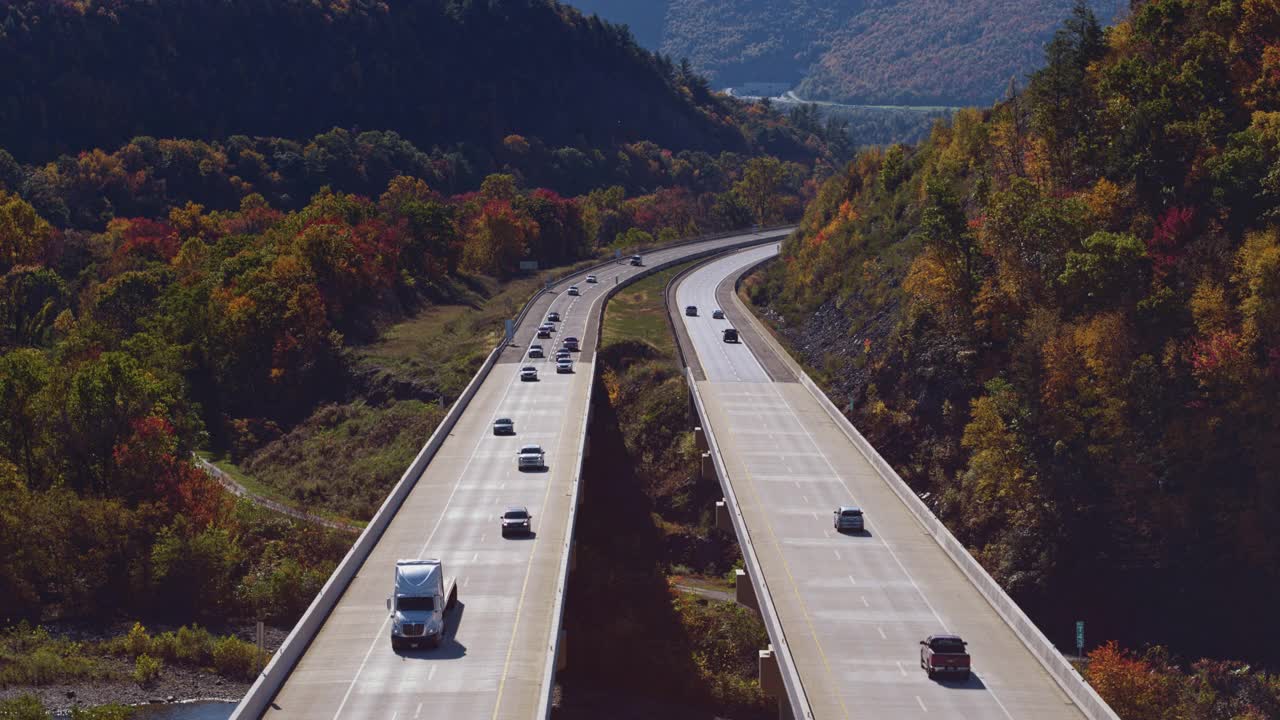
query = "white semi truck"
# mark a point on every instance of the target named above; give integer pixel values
(421, 597)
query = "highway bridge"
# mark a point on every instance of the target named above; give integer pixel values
(844, 613)
(499, 656)
(850, 609)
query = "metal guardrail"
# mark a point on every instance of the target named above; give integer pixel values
(259, 696)
(1057, 666)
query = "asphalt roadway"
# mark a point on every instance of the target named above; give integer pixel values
(493, 660)
(853, 607)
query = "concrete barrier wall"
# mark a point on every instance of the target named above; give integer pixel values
(264, 689)
(553, 649)
(273, 676)
(1075, 686)
(782, 650)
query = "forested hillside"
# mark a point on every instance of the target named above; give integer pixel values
(1060, 318)
(893, 52)
(199, 286)
(95, 73)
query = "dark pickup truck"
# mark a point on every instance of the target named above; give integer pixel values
(944, 655)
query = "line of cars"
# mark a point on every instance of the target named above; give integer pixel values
(729, 335)
(940, 655)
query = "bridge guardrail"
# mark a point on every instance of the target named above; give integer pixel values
(272, 678)
(1057, 666)
(553, 649)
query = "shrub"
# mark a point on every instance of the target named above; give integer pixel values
(194, 645)
(147, 669)
(23, 707)
(137, 641)
(235, 658)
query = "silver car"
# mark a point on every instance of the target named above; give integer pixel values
(536, 351)
(553, 317)
(504, 426)
(573, 290)
(531, 456)
(848, 518)
(528, 372)
(592, 279)
(564, 366)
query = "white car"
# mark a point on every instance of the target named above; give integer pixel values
(536, 351)
(528, 372)
(531, 456)
(592, 279)
(564, 366)
(573, 290)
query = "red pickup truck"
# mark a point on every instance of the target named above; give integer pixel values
(944, 655)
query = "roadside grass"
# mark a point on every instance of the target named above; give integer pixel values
(344, 459)
(270, 492)
(639, 313)
(30, 656)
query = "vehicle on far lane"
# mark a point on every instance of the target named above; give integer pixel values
(564, 366)
(592, 279)
(504, 426)
(553, 316)
(570, 343)
(517, 520)
(848, 517)
(729, 335)
(718, 314)
(536, 351)
(944, 655)
(691, 310)
(637, 261)
(528, 372)
(531, 456)
(544, 331)
(573, 290)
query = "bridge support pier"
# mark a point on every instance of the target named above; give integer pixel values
(744, 593)
(723, 521)
(562, 654)
(708, 468)
(700, 439)
(771, 682)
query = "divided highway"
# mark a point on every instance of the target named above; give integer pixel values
(853, 608)
(500, 640)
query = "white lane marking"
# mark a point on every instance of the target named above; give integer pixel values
(902, 669)
(852, 581)
(431, 674)
(417, 712)
(864, 602)
(922, 707)
(511, 383)
(475, 557)
(814, 515)
(482, 537)
(881, 631)
(837, 552)
(805, 498)
(466, 581)
(879, 538)
(394, 714)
